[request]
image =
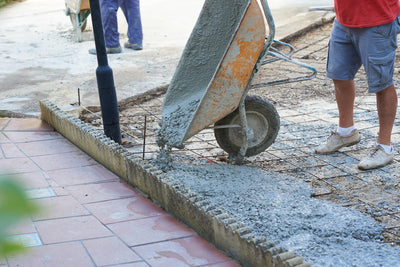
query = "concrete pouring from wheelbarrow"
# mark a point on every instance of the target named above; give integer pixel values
(206, 218)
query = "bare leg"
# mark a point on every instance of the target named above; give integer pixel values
(386, 101)
(345, 93)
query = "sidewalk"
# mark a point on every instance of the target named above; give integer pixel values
(90, 217)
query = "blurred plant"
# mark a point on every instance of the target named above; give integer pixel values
(5, 2)
(14, 207)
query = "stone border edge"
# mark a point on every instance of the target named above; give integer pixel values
(232, 237)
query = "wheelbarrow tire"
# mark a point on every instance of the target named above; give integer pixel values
(263, 121)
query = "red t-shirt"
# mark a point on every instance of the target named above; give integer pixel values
(366, 13)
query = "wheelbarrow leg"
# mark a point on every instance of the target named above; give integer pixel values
(238, 159)
(243, 121)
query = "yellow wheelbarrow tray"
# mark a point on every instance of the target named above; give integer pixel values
(210, 85)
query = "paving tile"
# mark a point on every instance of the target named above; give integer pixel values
(32, 180)
(70, 229)
(133, 264)
(63, 161)
(192, 251)
(3, 122)
(110, 251)
(102, 191)
(18, 165)
(4, 139)
(19, 137)
(67, 255)
(231, 263)
(40, 193)
(47, 147)
(82, 175)
(27, 125)
(58, 207)
(60, 191)
(124, 209)
(26, 240)
(10, 150)
(25, 226)
(149, 230)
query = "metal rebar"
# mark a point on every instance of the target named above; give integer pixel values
(144, 135)
(79, 97)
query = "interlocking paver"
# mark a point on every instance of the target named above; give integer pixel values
(20, 137)
(63, 161)
(160, 228)
(73, 176)
(70, 229)
(126, 209)
(32, 180)
(47, 147)
(71, 254)
(99, 250)
(32, 125)
(191, 251)
(85, 196)
(18, 165)
(102, 191)
(58, 207)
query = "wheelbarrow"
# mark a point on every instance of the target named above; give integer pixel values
(209, 88)
(78, 12)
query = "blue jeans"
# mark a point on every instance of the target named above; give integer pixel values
(131, 10)
(372, 47)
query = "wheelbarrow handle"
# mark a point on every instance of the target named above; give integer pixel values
(270, 22)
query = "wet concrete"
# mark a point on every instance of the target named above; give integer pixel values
(281, 207)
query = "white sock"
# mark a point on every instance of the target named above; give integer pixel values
(345, 131)
(388, 149)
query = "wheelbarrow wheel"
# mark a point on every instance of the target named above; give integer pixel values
(263, 126)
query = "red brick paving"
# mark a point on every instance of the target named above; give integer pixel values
(93, 218)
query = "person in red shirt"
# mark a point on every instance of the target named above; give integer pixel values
(364, 33)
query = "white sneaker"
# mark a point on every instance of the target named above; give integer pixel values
(336, 141)
(378, 158)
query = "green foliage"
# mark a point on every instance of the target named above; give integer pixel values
(5, 2)
(14, 207)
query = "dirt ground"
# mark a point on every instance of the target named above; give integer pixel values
(307, 112)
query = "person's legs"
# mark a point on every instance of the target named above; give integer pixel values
(387, 106)
(378, 47)
(386, 101)
(109, 10)
(345, 94)
(343, 64)
(131, 9)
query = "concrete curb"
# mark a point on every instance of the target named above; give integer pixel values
(210, 222)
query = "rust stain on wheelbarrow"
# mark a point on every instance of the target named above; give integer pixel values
(234, 74)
